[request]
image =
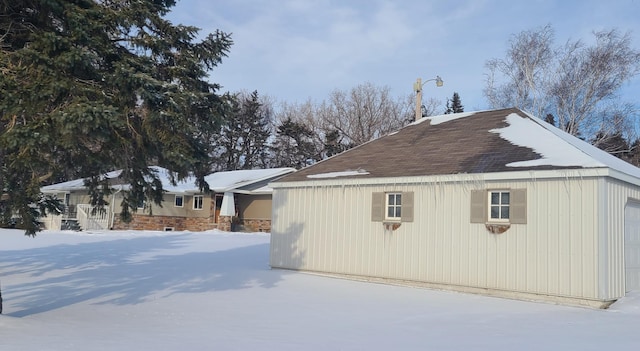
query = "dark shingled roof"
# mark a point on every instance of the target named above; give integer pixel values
(462, 145)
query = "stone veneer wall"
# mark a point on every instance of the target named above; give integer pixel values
(224, 223)
(257, 225)
(146, 222)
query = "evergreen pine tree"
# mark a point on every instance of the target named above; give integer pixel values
(244, 136)
(226, 154)
(454, 105)
(550, 119)
(91, 86)
(257, 119)
(293, 146)
(633, 156)
(334, 143)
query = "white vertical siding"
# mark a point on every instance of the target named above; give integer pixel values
(618, 195)
(329, 229)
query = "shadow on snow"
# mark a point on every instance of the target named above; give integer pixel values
(128, 271)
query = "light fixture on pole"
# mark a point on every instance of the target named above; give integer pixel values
(417, 87)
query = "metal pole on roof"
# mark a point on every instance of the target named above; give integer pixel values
(417, 87)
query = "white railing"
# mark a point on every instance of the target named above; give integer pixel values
(100, 220)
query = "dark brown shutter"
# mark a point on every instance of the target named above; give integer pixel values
(407, 207)
(478, 211)
(377, 207)
(518, 210)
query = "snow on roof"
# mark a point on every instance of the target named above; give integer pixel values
(557, 147)
(186, 185)
(76, 184)
(338, 174)
(434, 120)
(218, 182)
(554, 151)
(229, 180)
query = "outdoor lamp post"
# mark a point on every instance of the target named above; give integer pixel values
(417, 87)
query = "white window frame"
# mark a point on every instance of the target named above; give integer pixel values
(388, 206)
(198, 202)
(175, 201)
(500, 205)
(141, 204)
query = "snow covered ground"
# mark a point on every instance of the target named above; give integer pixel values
(215, 291)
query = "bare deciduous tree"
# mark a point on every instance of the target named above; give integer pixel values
(429, 107)
(576, 83)
(524, 71)
(587, 81)
(366, 112)
(346, 119)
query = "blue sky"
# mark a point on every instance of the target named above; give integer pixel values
(294, 50)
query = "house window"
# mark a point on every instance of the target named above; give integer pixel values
(67, 199)
(197, 202)
(179, 201)
(394, 206)
(499, 206)
(168, 229)
(140, 202)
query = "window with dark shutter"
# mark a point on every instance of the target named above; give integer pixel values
(478, 210)
(518, 206)
(499, 206)
(377, 207)
(407, 207)
(392, 207)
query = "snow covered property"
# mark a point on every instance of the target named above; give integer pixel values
(495, 202)
(145, 290)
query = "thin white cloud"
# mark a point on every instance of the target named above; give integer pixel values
(295, 49)
(332, 40)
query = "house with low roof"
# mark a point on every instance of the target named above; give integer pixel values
(239, 200)
(493, 202)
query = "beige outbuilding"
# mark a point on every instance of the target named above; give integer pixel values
(495, 202)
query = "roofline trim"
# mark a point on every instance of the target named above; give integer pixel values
(281, 172)
(464, 178)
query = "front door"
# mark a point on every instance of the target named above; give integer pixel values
(218, 206)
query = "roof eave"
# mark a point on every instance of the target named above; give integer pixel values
(232, 188)
(462, 177)
(624, 177)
